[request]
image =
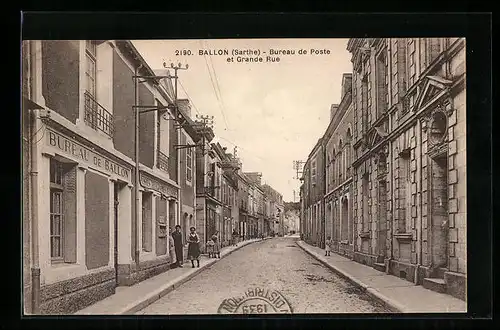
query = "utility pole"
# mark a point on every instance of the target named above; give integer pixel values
(138, 110)
(297, 166)
(179, 132)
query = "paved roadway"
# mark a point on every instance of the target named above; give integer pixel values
(276, 264)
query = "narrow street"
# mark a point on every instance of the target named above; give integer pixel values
(277, 265)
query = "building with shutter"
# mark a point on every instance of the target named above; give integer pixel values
(88, 236)
(409, 164)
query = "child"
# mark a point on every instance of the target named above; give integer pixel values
(328, 245)
(216, 245)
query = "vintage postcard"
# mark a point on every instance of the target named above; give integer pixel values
(244, 176)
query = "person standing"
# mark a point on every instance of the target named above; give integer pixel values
(215, 239)
(328, 246)
(194, 247)
(177, 236)
(171, 249)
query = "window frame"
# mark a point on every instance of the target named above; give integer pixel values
(91, 57)
(189, 165)
(56, 179)
(313, 172)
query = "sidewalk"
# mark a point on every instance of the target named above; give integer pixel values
(400, 295)
(128, 300)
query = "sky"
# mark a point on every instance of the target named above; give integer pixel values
(274, 112)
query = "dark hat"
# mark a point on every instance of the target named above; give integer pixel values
(192, 228)
(177, 226)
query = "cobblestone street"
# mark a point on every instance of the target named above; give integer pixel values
(274, 264)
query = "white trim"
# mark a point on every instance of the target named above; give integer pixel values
(111, 262)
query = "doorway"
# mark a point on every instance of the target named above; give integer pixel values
(439, 211)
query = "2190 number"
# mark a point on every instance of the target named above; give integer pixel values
(181, 52)
(255, 309)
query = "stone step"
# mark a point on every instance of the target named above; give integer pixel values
(379, 266)
(435, 284)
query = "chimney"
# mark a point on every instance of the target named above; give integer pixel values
(333, 109)
(184, 106)
(346, 84)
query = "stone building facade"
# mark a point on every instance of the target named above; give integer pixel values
(337, 145)
(314, 193)
(409, 164)
(88, 234)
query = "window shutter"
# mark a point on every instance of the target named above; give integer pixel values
(70, 215)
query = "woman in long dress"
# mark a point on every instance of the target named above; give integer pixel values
(171, 249)
(194, 247)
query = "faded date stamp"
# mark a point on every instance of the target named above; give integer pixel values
(256, 301)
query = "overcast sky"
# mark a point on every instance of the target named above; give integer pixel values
(274, 112)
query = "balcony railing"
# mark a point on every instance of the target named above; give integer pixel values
(97, 117)
(162, 161)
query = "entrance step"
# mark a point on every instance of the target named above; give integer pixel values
(435, 284)
(379, 266)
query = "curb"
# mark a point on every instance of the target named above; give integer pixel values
(172, 285)
(392, 305)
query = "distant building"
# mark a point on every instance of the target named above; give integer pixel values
(337, 144)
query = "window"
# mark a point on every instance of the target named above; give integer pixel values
(411, 62)
(429, 51)
(382, 98)
(341, 162)
(365, 197)
(90, 69)
(163, 123)
(56, 211)
(404, 192)
(189, 164)
(62, 210)
(313, 173)
(364, 102)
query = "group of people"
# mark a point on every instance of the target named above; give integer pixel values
(176, 246)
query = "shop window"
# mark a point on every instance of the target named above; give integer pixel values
(62, 212)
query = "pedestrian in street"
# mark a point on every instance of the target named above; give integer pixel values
(171, 249)
(328, 245)
(194, 247)
(177, 236)
(235, 238)
(216, 246)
